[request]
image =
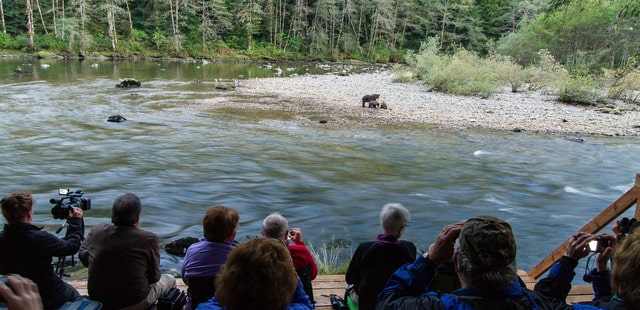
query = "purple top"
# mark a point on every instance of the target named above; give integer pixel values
(204, 258)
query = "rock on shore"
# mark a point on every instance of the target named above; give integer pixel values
(337, 99)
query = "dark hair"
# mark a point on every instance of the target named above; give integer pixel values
(258, 274)
(219, 223)
(16, 206)
(126, 210)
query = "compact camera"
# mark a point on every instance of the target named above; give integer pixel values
(70, 199)
(598, 245)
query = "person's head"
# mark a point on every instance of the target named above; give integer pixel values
(17, 207)
(257, 273)
(624, 270)
(275, 226)
(220, 223)
(394, 218)
(126, 210)
(486, 256)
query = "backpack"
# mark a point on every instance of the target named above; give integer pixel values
(171, 299)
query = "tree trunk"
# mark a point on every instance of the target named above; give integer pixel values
(4, 26)
(41, 17)
(203, 27)
(131, 34)
(29, 12)
(53, 13)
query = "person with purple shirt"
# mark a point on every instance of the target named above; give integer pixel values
(374, 261)
(203, 259)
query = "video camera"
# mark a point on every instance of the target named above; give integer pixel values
(71, 199)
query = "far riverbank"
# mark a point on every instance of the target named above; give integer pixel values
(336, 99)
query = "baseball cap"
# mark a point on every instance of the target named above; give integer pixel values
(488, 242)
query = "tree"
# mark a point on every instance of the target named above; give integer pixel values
(30, 32)
(4, 26)
(250, 14)
(215, 19)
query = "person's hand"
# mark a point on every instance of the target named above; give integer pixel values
(602, 259)
(75, 212)
(295, 234)
(578, 246)
(23, 294)
(442, 249)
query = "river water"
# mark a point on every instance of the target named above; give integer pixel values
(330, 182)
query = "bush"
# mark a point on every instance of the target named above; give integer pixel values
(623, 84)
(580, 89)
(547, 74)
(5, 41)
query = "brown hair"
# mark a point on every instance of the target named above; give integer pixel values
(16, 206)
(219, 223)
(258, 274)
(624, 278)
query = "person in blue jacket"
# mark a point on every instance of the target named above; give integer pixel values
(258, 274)
(485, 260)
(616, 287)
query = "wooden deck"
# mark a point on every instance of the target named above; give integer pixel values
(324, 285)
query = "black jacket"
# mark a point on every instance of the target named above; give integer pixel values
(27, 250)
(372, 264)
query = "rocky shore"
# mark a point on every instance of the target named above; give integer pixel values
(335, 100)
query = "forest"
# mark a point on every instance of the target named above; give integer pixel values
(594, 38)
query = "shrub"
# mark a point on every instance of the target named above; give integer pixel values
(623, 84)
(579, 89)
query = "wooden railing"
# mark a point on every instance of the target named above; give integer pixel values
(611, 213)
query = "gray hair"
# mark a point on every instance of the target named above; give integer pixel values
(126, 210)
(478, 276)
(275, 226)
(393, 217)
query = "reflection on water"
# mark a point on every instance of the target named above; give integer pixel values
(331, 182)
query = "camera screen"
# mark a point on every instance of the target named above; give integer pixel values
(63, 191)
(593, 245)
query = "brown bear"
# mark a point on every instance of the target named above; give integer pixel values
(369, 98)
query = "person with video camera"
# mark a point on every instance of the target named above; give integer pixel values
(27, 250)
(124, 260)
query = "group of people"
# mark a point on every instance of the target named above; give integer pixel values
(275, 271)
(123, 260)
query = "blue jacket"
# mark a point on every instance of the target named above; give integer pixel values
(300, 301)
(408, 289)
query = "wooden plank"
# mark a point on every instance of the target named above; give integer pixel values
(603, 219)
(324, 285)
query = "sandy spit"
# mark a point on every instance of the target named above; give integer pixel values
(338, 101)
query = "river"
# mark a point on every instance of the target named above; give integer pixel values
(330, 182)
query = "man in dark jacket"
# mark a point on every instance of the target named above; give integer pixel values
(485, 263)
(124, 260)
(27, 250)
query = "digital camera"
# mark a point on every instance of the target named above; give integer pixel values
(70, 199)
(598, 245)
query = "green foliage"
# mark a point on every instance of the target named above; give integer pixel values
(623, 84)
(547, 73)
(582, 35)
(330, 256)
(463, 73)
(580, 90)
(5, 41)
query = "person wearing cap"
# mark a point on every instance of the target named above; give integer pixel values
(485, 261)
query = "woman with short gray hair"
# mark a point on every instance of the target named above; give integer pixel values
(374, 261)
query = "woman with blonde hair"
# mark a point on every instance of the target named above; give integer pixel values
(258, 274)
